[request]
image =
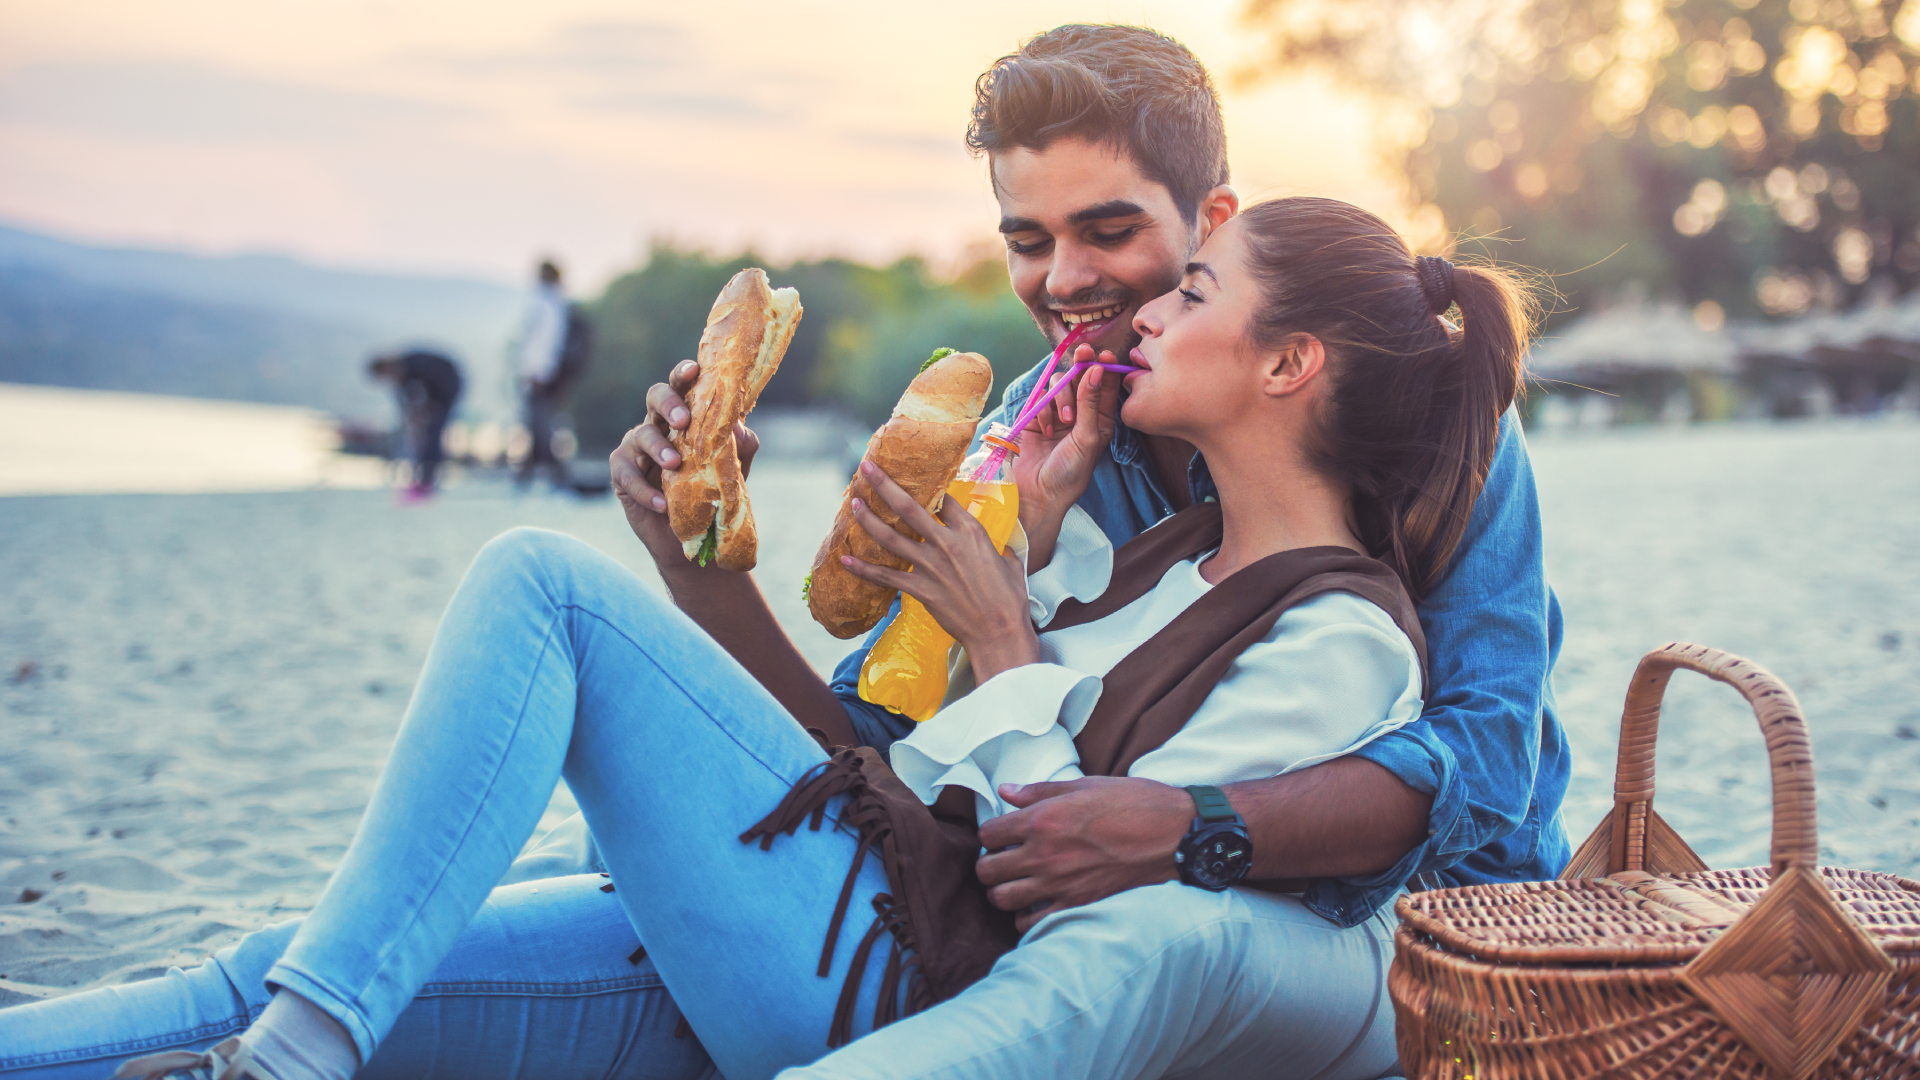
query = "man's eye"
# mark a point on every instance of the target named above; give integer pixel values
(1116, 237)
(1029, 248)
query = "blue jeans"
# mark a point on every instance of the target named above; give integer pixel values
(552, 661)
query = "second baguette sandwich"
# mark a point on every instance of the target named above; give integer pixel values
(921, 448)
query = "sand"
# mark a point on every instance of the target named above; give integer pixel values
(198, 690)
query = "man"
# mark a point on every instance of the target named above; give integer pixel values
(1107, 157)
(537, 350)
(427, 384)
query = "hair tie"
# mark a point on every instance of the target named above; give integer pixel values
(1436, 280)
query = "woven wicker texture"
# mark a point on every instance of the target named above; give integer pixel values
(1641, 963)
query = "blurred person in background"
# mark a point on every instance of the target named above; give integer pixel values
(550, 352)
(427, 384)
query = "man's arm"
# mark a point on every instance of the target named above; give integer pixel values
(1081, 840)
(726, 604)
(1415, 800)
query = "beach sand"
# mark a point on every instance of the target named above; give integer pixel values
(198, 690)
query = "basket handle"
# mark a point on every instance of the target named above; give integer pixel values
(1789, 753)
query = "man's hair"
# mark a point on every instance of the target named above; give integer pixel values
(1131, 88)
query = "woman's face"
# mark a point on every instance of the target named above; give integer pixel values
(1197, 374)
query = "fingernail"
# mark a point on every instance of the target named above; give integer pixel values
(681, 416)
(659, 503)
(867, 467)
(846, 560)
(859, 504)
(669, 458)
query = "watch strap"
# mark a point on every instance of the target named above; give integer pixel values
(1211, 803)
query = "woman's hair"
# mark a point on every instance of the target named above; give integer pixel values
(1413, 411)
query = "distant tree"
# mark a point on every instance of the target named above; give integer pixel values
(1745, 155)
(865, 331)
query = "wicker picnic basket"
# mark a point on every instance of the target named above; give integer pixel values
(1639, 962)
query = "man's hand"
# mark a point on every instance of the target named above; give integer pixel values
(637, 462)
(1079, 841)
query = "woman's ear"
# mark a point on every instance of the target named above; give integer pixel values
(1294, 366)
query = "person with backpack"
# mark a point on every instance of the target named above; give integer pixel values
(550, 352)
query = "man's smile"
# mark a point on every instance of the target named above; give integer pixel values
(1072, 318)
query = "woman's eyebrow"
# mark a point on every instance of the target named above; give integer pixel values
(1202, 268)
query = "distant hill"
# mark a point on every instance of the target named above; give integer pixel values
(248, 327)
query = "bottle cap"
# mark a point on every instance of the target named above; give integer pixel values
(1000, 436)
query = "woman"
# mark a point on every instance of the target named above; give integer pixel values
(1304, 355)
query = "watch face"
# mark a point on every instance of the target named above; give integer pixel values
(1215, 856)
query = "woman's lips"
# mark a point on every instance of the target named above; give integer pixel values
(1134, 356)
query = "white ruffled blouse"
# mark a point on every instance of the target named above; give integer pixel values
(1334, 674)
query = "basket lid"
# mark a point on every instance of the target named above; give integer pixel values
(1635, 917)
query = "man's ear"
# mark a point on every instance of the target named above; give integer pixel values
(1216, 208)
(1294, 366)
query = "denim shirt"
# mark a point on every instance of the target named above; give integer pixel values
(1488, 747)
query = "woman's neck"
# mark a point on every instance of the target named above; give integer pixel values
(1271, 501)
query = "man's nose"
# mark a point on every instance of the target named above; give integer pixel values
(1073, 270)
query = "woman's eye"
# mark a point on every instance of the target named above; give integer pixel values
(1190, 296)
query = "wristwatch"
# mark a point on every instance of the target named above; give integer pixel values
(1216, 852)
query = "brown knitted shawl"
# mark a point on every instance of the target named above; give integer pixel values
(945, 933)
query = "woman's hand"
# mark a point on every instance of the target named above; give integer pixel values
(978, 594)
(647, 450)
(1058, 451)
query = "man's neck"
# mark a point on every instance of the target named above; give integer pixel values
(1170, 458)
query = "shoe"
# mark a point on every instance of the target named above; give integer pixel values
(231, 1060)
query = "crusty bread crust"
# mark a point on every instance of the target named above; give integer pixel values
(746, 336)
(921, 448)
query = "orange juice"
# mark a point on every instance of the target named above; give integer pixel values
(907, 670)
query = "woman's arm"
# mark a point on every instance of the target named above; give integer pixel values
(977, 593)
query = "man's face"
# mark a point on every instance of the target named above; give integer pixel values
(1088, 238)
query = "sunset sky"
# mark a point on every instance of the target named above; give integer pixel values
(431, 135)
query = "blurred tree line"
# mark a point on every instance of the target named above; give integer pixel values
(1746, 156)
(864, 335)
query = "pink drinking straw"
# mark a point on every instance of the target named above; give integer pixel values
(1041, 395)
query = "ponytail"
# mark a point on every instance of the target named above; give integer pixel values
(1412, 416)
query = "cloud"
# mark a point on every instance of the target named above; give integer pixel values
(911, 143)
(634, 68)
(164, 100)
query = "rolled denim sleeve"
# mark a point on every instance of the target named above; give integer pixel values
(1487, 747)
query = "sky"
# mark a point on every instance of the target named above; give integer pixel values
(465, 137)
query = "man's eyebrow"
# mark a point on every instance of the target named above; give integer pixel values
(1112, 208)
(1019, 224)
(1202, 268)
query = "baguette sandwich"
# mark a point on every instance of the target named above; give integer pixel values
(747, 334)
(921, 448)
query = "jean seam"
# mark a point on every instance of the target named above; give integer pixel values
(586, 988)
(171, 1039)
